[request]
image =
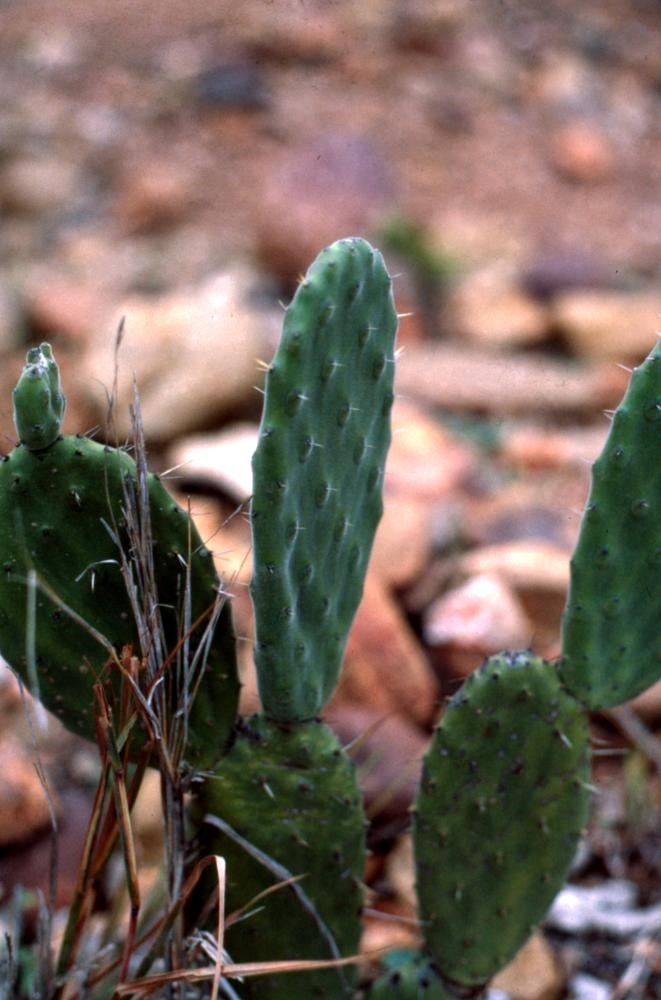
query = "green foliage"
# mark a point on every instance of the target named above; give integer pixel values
(504, 797)
(291, 793)
(39, 402)
(318, 474)
(610, 635)
(70, 517)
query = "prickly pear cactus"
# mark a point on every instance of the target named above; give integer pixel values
(61, 498)
(39, 402)
(502, 803)
(318, 474)
(286, 785)
(610, 635)
(292, 795)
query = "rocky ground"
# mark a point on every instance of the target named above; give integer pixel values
(179, 166)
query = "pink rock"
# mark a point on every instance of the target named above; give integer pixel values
(425, 461)
(483, 615)
(581, 152)
(387, 750)
(335, 183)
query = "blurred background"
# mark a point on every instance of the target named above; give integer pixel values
(180, 165)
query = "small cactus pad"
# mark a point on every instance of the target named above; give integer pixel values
(501, 806)
(56, 506)
(415, 979)
(291, 794)
(39, 402)
(611, 645)
(318, 474)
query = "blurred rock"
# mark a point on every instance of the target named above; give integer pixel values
(221, 461)
(400, 871)
(426, 26)
(28, 863)
(534, 448)
(581, 152)
(538, 573)
(478, 618)
(147, 819)
(648, 704)
(234, 83)
(533, 974)
(564, 269)
(402, 542)
(393, 930)
(331, 185)
(615, 325)
(465, 379)
(24, 808)
(425, 461)
(491, 310)
(387, 750)
(194, 354)
(153, 196)
(35, 187)
(384, 667)
(64, 306)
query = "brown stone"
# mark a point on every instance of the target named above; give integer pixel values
(465, 379)
(491, 309)
(385, 667)
(581, 152)
(425, 461)
(23, 804)
(402, 542)
(387, 750)
(193, 352)
(615, 325)
(533, 974)
(65, 307)
(153, 196)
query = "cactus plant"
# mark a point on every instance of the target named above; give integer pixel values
(63, 524)
(610, 638)
(286, 786)
(504, 790)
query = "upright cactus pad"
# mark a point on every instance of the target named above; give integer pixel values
(39, 402)
(318, 474)
(610, 637)
(502, 803)
(290, 793)
(58, 507)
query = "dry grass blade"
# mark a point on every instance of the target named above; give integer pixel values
(147, 986)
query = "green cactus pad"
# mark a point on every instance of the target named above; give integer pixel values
(502, 802)
(55, 504)
(610, 636)
(292, 794)
(39, 402)
(318, 474)
(416, 979)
